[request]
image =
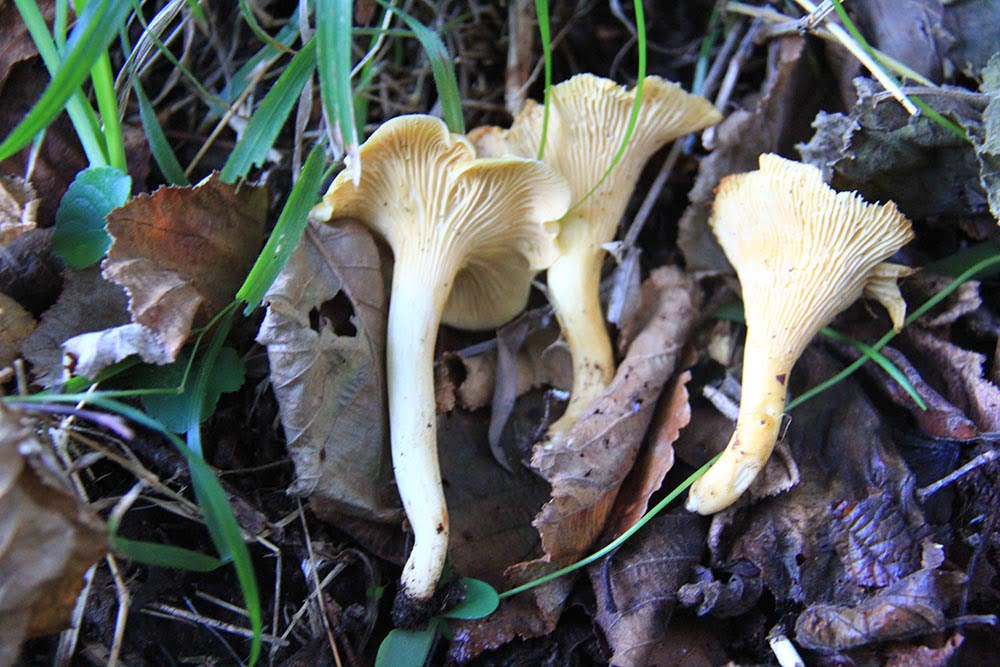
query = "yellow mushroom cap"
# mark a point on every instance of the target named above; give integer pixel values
(588, 120)
(422, 185)
(803, 251)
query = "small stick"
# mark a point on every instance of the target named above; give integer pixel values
(981, 460)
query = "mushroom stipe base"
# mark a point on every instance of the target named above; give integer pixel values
(410, 613)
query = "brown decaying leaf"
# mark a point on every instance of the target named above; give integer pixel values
(60, 157)
(740, 138)
(48, 539)
(18, 208)
(873, 541)
(925, 656)
(958, 374)
(734, 597)
(88, 303)
(913, 606)
(16, 324)
(655, 460)
(29, 272)
(636, 587)
(330, 388)
(181, 253)
(941, 419)
(587, 465)
(843, 453)
(15, 42)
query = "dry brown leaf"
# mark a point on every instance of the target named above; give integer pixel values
(916, 605)
(15, 42)
(941, 419)
(29, 272)
(330, 387)
(843, 452)
(925, 656)
(958, 374)
(734, 597)
(60, 157)
(18, 208)
(740, 138)
(873, 541)
(88, 303)
(48, 540)
(181, 253)
(587, 465)
(633, 611)
(655, 461)
(16, 324)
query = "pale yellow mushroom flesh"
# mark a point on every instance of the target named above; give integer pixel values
(588, 120)
(803, 253)
(467, 236)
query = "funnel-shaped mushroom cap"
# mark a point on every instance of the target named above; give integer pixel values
(489, 221)
(803, 253)
(588, 120)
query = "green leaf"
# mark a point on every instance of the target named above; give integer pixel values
(333, 52)
(287, 232)
(545, 32)
(178, 411)
(481, 600)
(443, 70)
(270, 116)
(407, 648)
(97, 26)
(80, 238)
(165, 555)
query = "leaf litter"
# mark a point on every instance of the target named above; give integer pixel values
(844, 544)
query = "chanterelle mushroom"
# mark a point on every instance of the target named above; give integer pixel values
(588, 119)
(803, 253)
(474, 229)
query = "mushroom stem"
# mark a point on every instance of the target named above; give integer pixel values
(573, 282)
(765, 379)
(414, 315)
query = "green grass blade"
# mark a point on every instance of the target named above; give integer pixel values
(545, 32)
(640, 28)
(443, 70)
(96, 27)
(251, 20)
(219, 517)
(107, 103)
(333, 53)
(245, 74)
(934, 115)
(165, 555)
(734, 313)
(80, 113)
(890, 368)
(164, 155)
(287, 231)
(267, 120)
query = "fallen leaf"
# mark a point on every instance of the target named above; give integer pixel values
(958, 374)
(18, 208)
(908, 30)
(29, 272)
(843, 452)
(182, 252)
(731, 598)
(56, 163)
(331, 388)
(741, 137)
(655, 459)
(873, 540)
(941, 419)
(48, 539)
(914, 606)
(884, 153)
(16, 324)
(986, 136)
(633, 614)
(587, 465)
(925, 656)
(88, 303)
(15, 41)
